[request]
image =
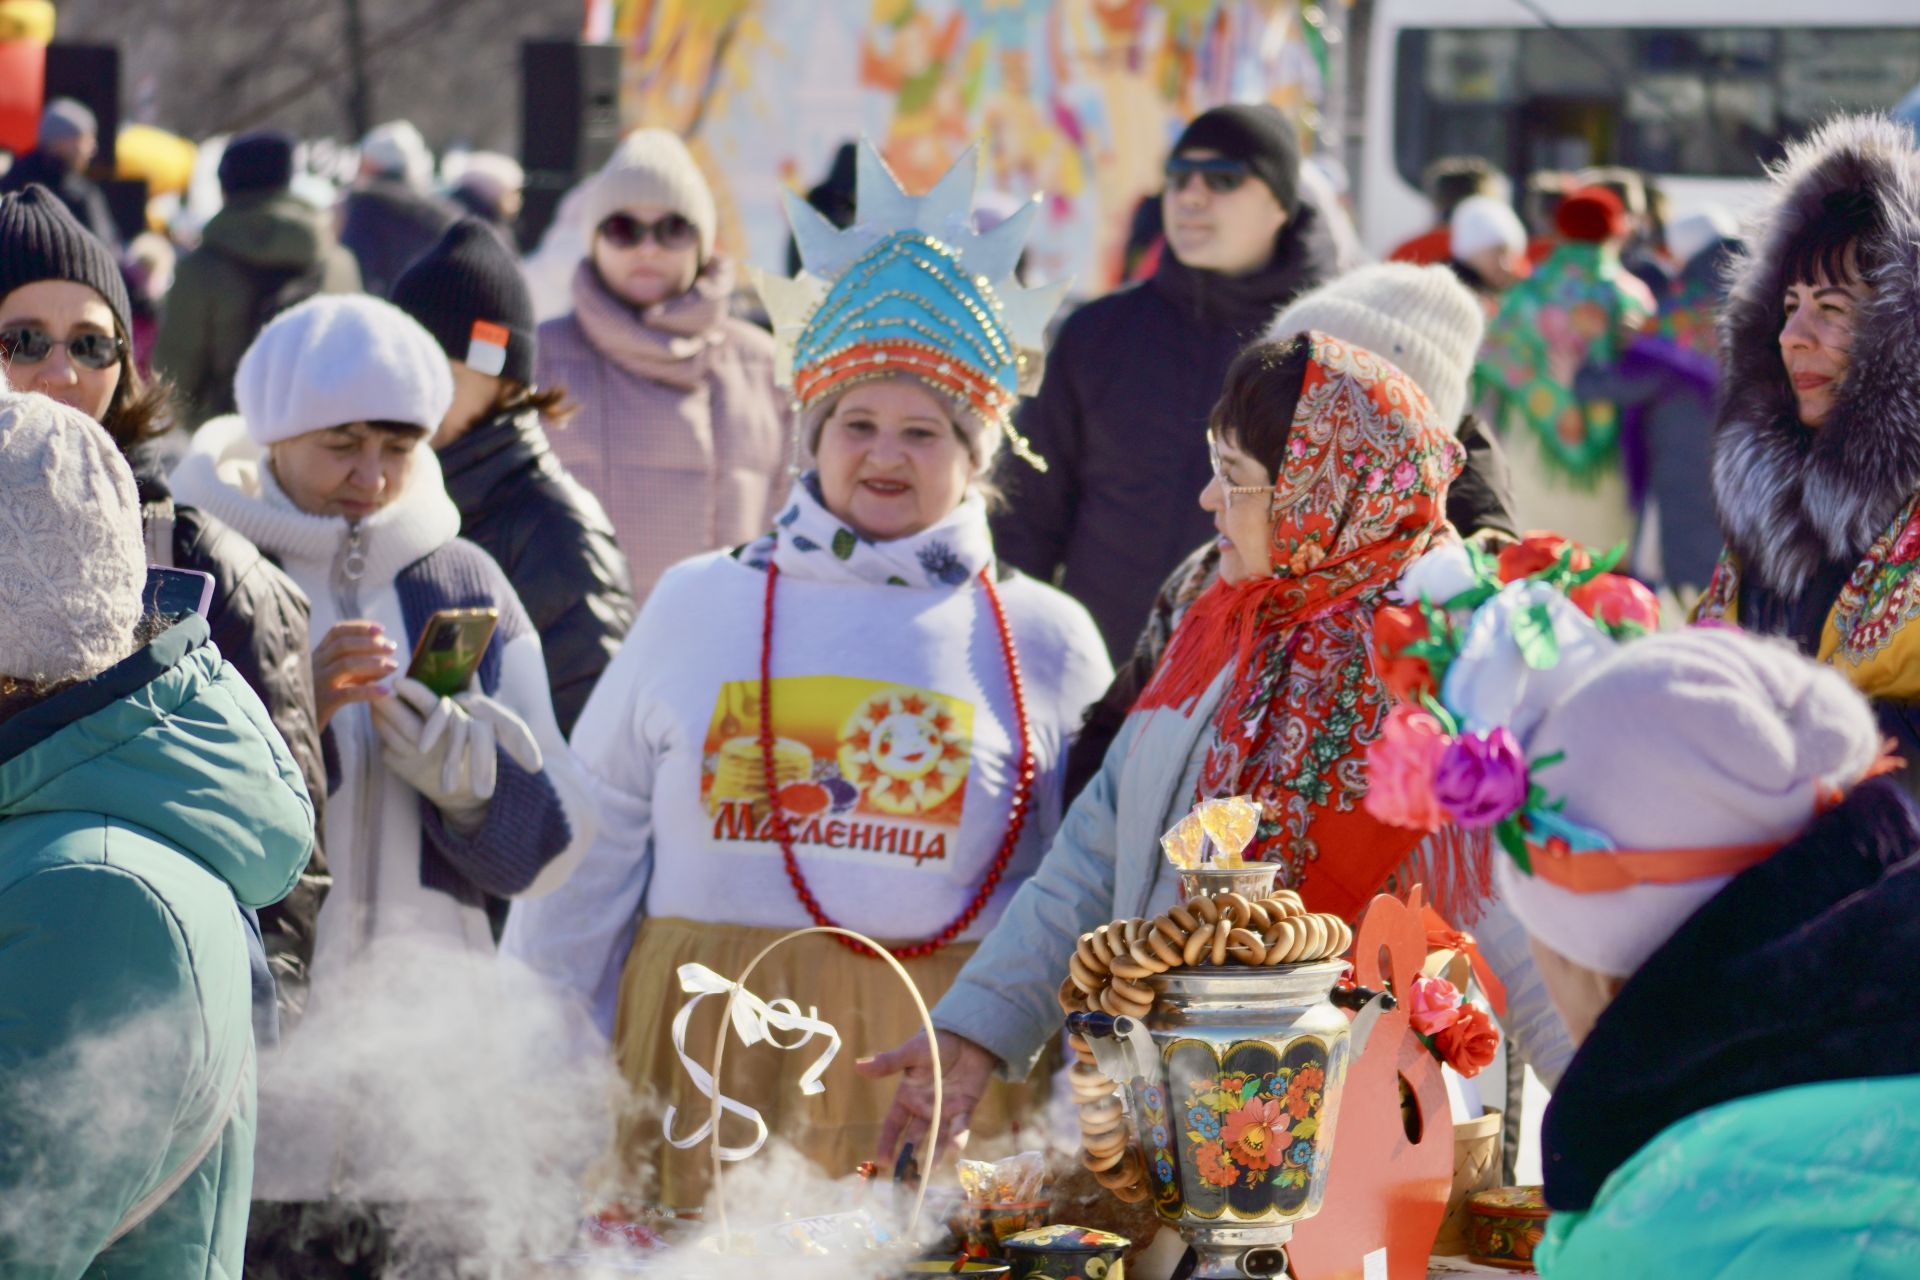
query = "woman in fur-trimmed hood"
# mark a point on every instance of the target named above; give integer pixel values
(1816, 469)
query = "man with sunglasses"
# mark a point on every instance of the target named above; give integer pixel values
(1121, 415)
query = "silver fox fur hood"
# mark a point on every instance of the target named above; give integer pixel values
(1791, 499)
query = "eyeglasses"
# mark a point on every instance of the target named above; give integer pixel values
(31, 346)
(624, 231)
(1220, 476)
(1220, 174)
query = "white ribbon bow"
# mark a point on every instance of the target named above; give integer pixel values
(754, 1021)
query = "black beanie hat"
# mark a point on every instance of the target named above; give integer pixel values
(467, 291)
(40, 239)
(1258, 135)
(261, 160)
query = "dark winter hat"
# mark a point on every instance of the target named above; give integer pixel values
(467, 291)
(40, 239)
(1258, 135)
(1591, 215)
(261, 160)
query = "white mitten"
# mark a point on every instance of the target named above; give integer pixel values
(509, 730)
(442, 751)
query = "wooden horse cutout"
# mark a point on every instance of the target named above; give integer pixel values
(1384, 1191)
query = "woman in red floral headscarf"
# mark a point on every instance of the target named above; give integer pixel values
(1330, 478)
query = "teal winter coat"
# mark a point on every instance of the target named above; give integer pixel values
(138, 811)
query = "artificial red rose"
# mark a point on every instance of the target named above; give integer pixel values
(1469, 1043)
(1396, 626)
(1537, 551)
(1616, 600)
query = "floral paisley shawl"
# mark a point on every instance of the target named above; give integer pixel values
(1688, 315)
(1866, 636)
(1566, 314)
(1360, 496)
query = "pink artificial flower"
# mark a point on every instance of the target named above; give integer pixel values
(1400, 769)
(1432, 1005)
(1481, 777)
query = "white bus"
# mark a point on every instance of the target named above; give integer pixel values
(1695, 92)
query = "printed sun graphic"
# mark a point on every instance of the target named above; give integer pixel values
(904, 751)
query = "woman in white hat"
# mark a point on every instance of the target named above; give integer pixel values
(443, 807)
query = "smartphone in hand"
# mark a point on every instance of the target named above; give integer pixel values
(450, 647)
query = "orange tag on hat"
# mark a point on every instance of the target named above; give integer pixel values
(487, 348)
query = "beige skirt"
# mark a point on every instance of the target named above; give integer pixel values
(860, 996)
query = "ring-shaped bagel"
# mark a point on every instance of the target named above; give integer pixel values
(1083, 977)
(1168, 953)
(1245, 946)
(1197, 943)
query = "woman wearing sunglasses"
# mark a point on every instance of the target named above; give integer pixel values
(64, 320)
(679, 430)
(1330, 474)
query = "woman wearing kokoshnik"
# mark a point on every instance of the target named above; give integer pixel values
(922, 701)
(1331, 472)
(1816, 466)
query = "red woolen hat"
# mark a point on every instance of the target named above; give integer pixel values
(1591, 214)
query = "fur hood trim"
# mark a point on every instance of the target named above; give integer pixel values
(1791, 499)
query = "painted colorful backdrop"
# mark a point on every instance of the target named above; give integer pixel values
(1075, 98)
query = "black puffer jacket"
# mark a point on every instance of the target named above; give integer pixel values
(386, 225)
(258, 620)
(554, 542)
(1121, 417)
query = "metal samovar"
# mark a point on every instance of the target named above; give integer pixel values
(1232, 1084)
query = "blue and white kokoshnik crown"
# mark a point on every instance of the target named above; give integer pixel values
(911, 288)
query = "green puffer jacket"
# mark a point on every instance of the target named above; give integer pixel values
(136, 811)
(264, 251)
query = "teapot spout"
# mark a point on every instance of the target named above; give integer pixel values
(1379, 1002)
(1122, 1047)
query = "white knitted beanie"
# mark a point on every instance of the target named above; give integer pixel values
(340, 358)
(1420, 318)
(1685, 740)
(73, 564)
(652, 166)
(1482, 222)
(396, 150)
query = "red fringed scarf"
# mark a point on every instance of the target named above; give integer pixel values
(1359, 498)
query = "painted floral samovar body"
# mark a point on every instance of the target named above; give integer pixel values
(1232, 1083)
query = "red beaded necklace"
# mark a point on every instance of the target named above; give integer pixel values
(1022, 788)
